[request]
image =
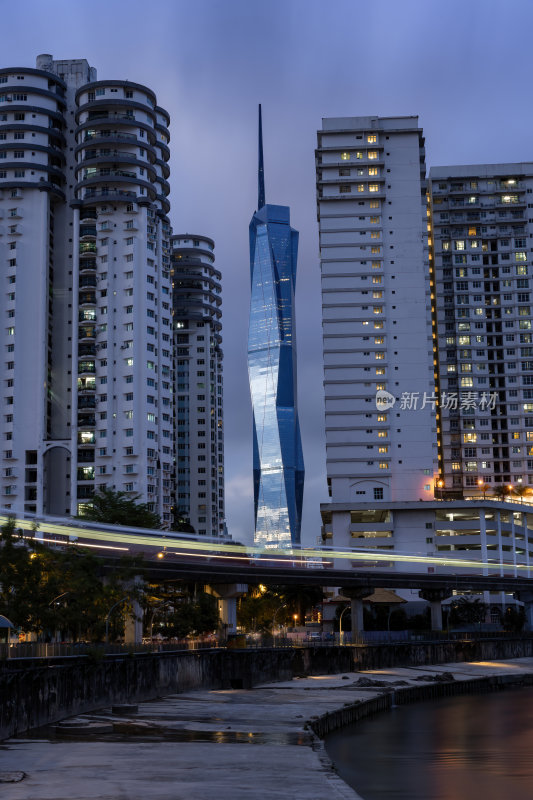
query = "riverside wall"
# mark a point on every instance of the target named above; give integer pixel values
(36, 692)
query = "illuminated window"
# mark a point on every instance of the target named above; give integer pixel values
(359, 154)
(376, 265)
(379, 356)
(378, 324)
(459, 244)
(380, 370)
(345, 156)
(378, 309)
(373, 171)
(520, 256)
(381, 387)
(374, 204)
(469, 436)
(382, 418)
(375, 220)
(377, 295)
(382, 434)
(375, 235)
(472, 231)
(375, 250)
(360, 187)
(373, 187)
(383, 449)
(379, 339)
(383, 465)
(376, 279)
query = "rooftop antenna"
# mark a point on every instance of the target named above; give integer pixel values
(260, 172)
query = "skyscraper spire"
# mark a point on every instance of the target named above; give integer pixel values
(260, 172)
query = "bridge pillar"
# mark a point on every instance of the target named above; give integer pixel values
(527, 599)
(227, 594)
(435, 597)
(356, 595)
(133, 627)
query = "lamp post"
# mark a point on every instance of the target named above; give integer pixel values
(482, 486)
(109, 614)
(341, 632)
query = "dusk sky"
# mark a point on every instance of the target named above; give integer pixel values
(463, 66)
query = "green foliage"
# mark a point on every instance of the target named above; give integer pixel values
(119, 508)
(175, 612)
(514, 619)
(468, 612)
(277, 605)
(45, 590)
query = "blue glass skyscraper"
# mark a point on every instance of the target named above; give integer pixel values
(278, 458)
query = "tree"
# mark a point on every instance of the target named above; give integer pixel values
(468, 612)
(118, 508)
(502, 491)
(522, 492)
(178, 611)
(180, 521)
(44, 590)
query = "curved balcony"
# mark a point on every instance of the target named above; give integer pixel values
(115, 195)
(87, 420)
(87, 367)
(86, 333)
(87, 233)
(86, 437)
(85, 456)
(85, 473)
(87, 315)
(114, 177)
(86, 349)
(86, 385)
(86, 401)
(87, 266)
(87, 299)
(96, 124)
(87, 248)
(87, 281)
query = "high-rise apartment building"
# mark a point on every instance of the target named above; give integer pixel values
(379, 387)
(198, 389)
(86, 305)
(482, 220)
(277, 455)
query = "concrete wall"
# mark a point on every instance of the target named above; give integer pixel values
(35, 692)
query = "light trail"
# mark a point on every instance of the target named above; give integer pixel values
(239, 552)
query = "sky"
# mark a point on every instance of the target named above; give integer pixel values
(463, 66)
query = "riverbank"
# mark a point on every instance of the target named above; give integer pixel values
(224, 744)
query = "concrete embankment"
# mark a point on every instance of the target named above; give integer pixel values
(37, 692)
(226, 743)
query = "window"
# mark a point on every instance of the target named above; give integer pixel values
(378, 494)
(345, 156)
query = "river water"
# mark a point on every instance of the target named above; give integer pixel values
(460, 748)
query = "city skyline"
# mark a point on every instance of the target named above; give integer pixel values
(212, 106)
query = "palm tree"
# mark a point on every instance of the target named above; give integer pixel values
(522, 492)
(502, 491)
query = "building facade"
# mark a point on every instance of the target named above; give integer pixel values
(277, 451)
(482, 225)
(87, 371)
(198, 388)
(378, 351)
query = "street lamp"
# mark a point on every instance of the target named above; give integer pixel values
(341, 632)
(482, 486)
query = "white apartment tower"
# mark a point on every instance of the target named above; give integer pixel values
(373, 229)
(198, 389)
(482, 219)
(87, 334)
